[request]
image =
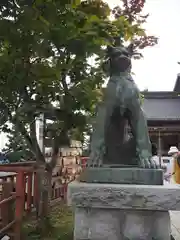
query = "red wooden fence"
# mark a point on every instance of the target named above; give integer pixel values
(18, 194)
(13, 192)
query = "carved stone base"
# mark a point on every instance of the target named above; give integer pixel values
(122, 211)
(121, 175)
(110, 224)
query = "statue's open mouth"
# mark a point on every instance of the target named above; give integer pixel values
(124, 63)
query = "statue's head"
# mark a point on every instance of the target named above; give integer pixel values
(119, 58)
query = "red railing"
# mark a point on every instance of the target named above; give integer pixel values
(13, 192)
(6, 203)
(11, 211)
(18, 191)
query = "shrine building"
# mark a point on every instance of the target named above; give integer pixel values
(162, 110)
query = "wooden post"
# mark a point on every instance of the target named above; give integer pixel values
(19, 207)
(178, 143)
(29, 191)
(159, 148)
(35, 189)
(7, 208)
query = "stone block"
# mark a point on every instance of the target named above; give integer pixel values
(110, 224)
(124, 196)
(122, 212)
(146, 225)
(96, 224)
(124, 175)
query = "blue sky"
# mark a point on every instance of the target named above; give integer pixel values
(158, 69)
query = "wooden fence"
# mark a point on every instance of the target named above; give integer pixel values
(18, 195)
(11, 211)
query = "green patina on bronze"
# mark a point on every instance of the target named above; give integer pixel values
(122, 175)
(121, 104)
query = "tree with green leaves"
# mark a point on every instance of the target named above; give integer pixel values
(50, 62)
(16, 148)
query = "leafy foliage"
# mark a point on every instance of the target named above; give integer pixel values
(17, 149)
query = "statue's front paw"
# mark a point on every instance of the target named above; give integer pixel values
(148, 163)
(153, 164)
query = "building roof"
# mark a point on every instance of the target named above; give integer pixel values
(162, 106)
(160, 94)
(177, 84)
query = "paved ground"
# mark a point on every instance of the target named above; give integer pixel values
(175, 221)
(175, 224)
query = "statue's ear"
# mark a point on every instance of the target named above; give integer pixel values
(130, 48)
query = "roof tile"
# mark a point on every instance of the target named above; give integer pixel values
(162, 109)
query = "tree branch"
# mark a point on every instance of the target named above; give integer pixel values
(55, 151)
(64, 74)
(39, 155)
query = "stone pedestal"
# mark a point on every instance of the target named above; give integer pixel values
(123, 175)
(122, 211)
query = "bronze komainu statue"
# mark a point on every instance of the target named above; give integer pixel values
(121, 104)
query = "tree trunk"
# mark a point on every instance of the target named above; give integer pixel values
(43, 178)
(44, 191)
(43, 170)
